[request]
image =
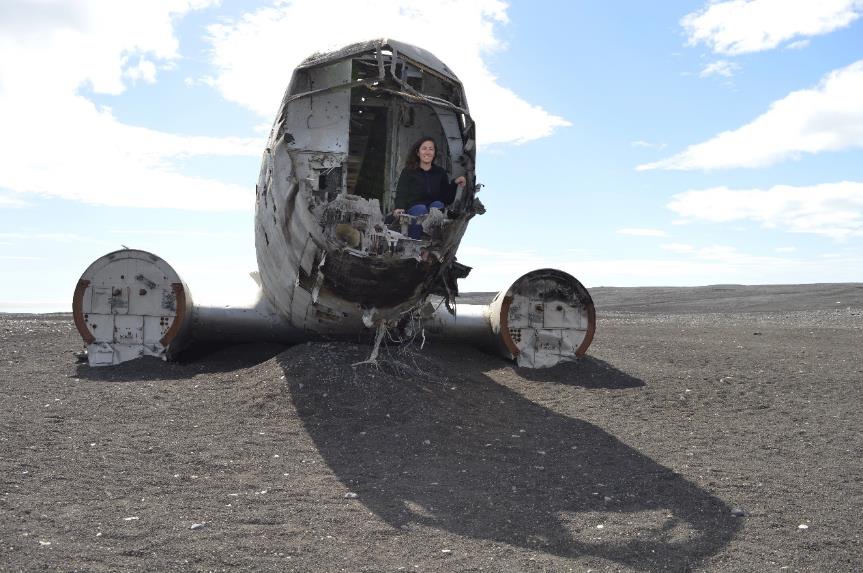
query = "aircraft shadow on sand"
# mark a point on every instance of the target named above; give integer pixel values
(426, 445)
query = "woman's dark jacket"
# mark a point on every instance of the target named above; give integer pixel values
(424, 187)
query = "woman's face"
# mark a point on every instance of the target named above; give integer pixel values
(426, 152)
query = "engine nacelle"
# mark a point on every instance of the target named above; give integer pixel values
(545, 317)
(131, 303)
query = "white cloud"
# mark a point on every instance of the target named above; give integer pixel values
(827, 117)
(20, 258)
(52, 237)
(182, 233)
(829, 209)
(89, 41)
(678, 247)
(722, 68)
(638, 232)
(145, 70)
(785, 249)
(737, 27)
(7, 202)
(56, 142)
(648, 144)
(462, 34)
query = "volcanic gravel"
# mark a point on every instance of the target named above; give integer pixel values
(710, 429)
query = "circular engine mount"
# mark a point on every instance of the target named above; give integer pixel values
(130, 303)
(545, 317)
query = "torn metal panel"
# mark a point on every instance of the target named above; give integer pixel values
(336, 149)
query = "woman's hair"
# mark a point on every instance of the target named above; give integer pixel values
(412, 161)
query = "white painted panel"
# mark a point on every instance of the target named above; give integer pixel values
(571, 339)
(155, 328)
(152, 302)
(320, 122)
(100, 300)
(100, 354)
(129, 329)
(102, 326)
(548, 341)
(120, 300)
(125, 352)
(559, 314)
(518, 312)
(536, 313)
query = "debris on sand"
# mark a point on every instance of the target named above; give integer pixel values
(197, 525)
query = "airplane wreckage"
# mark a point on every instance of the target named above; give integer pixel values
(334, 259)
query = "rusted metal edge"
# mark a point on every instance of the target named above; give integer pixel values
(78, 311)
(504, 327)
(180, 293)
(591, 329)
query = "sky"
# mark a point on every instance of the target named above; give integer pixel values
(628, 143)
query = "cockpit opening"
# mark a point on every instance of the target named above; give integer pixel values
(384, 124)
(346, 127)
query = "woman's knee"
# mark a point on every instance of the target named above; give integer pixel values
(417, 210)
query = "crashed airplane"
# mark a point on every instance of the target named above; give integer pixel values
(335, 259)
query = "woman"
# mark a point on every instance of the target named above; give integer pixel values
(423, 184)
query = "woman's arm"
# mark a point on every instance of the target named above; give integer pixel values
(449, 188)
(403, 191)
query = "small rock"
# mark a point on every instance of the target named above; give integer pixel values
(426, 442)
(351, 495)
(446, 550)
(802, 526)
(44, 543)
(197, 525)
(737, 512)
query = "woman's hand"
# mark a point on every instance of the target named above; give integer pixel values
(460, 181)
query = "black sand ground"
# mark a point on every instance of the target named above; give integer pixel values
(714, 429)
